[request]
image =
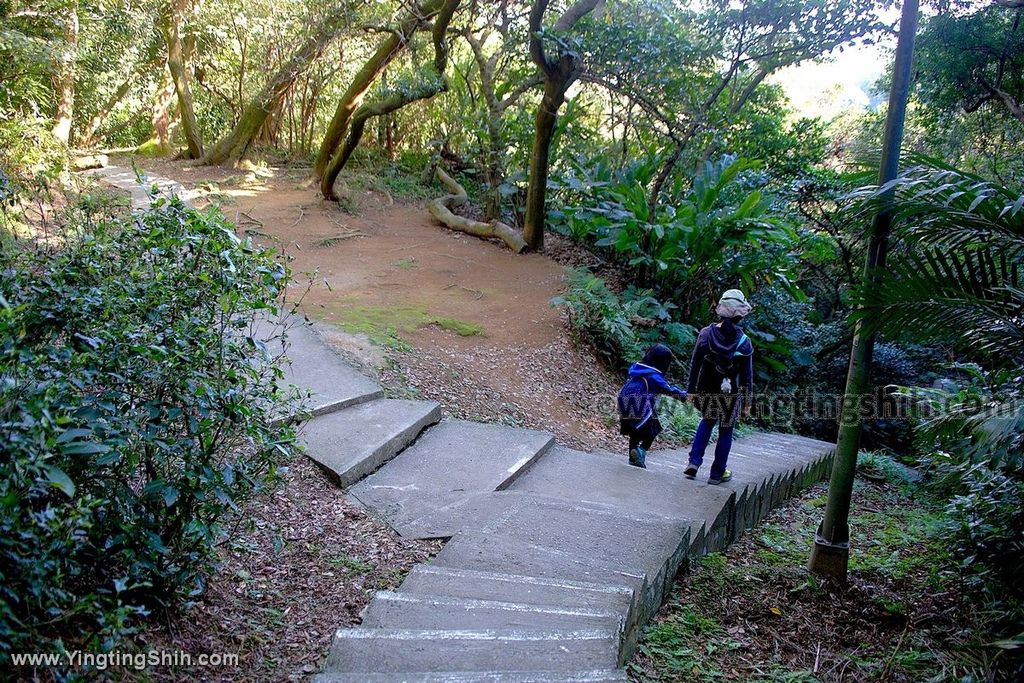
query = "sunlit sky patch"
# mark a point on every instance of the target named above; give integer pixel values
(842, 80)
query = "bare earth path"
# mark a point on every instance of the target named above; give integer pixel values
(389, 266)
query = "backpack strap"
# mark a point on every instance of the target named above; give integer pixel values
(743, 338)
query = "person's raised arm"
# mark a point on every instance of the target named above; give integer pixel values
(658, 385)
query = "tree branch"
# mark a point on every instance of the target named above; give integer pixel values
(571, 16)
(517, 92)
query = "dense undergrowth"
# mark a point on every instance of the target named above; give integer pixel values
(915, 608)
(139, 409)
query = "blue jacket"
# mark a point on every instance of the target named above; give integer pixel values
(638, 398)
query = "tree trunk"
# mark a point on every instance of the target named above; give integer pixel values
(64, 75)
(494, 148)
(385, 53)
(171, 28)
(161, 119)
(441, 209)
(540, 159)
(445, 10)
(831, 552)
(494, 172)
(86, 139)
(236, 145)
(558, 74)
(1009, 101)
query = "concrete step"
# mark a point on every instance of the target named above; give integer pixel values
(411, 651)
(780, 449)
(640, 542)
(390, 609)
(421, 491)
(487, 552)
(600, 479)
(537, 536)
(752, 458)
(428, 579)
(354, 442)
(601, 676)
(609, 482)
(124, 178)
(313, 367)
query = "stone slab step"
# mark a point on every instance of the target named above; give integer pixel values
(124, 178)
(639, 543)
(537, 536)
(752, 458)
(429, 579)
(399, 610)
(419, 492)
(662, 491)
(313, 367)
(601, 676)
(411, 651)
(602, 479)
(350, 444)
(489, 553)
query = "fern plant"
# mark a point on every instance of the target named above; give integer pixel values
(956, 277)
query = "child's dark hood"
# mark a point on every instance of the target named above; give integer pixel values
(724, 341)
(659, 357)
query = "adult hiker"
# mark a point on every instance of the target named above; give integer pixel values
(638, 401)
(720, 383)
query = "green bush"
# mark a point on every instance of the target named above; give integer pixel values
(620, 328)
(985, 512)
(722, 231)
(136, 411)
(30, 157)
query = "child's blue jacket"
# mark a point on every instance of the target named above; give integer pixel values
(638, 398)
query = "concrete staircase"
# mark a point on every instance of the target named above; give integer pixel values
(557, 557)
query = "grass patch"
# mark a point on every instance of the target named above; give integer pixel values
(754, 613)
(396, 182)
(352, 565)
(405, 263)
(459, 327)
(385, 324)
(152, 149)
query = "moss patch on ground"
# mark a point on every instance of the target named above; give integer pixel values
(386, 324)
(754, 613)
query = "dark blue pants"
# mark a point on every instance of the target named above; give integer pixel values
(700, 444)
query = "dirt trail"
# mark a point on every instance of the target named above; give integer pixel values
(463, 321)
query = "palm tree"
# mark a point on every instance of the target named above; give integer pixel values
(830, 554)
(956, 275)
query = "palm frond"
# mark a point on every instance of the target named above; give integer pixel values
(956, 270)
(947, 208)
(970, 297)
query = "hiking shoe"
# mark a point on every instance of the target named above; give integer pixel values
(721, 480)
(637, 458)
(690, 472)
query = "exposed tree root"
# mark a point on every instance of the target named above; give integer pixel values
(441, 209)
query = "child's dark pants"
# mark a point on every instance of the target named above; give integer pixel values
(644, 435)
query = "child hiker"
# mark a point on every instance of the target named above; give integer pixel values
(720, 383)
(638, 401)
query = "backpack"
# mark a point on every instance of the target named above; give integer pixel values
(726, 366)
